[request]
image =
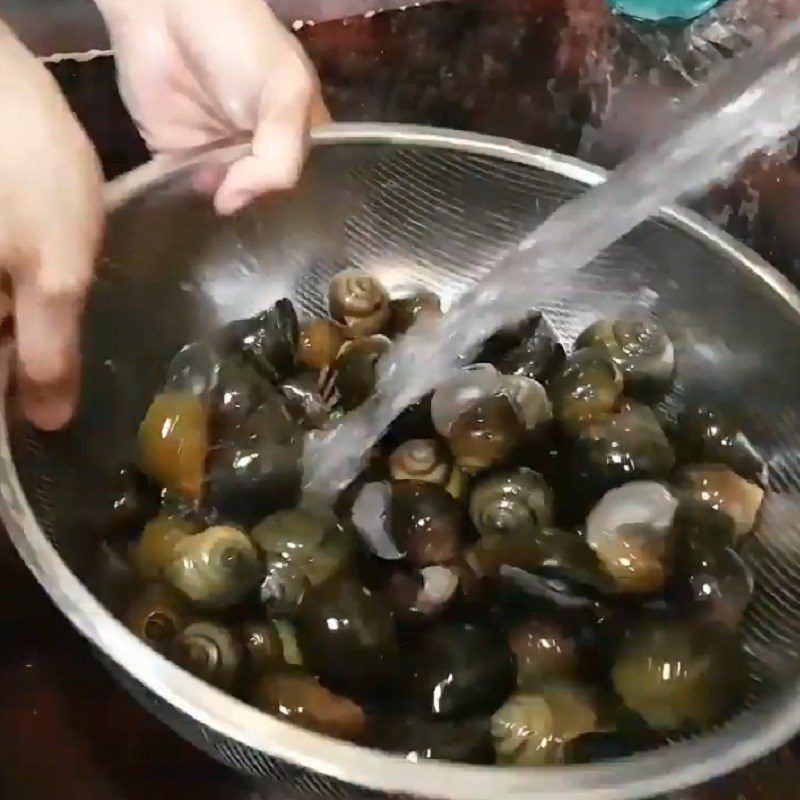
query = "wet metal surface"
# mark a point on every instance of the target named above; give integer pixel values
(563, 74)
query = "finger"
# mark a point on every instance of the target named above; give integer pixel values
(318, 114)
(47, 329)
(279, 147)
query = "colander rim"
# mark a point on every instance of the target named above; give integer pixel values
(748, 737)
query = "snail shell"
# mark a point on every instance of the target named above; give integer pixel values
(156, 616)
(641, 349)
(458, 394)
(530, 400)
(156, 547)
(629, 529)
(422, 306)
(215, 568)
(485, 435)
(723, 490)
(320, 343)
(512, 501)
(210, 651)
(173, 442)
(421, 460)
(359, 302)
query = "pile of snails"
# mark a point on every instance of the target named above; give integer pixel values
(535, 567)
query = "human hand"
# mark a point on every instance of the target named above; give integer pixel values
(51, 218)
(195, 74)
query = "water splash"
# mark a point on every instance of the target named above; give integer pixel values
(747, 106)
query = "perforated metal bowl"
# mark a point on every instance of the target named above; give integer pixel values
(438, 208)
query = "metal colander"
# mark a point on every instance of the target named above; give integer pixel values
(438, 208)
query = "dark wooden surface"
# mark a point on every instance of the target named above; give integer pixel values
(513, 67)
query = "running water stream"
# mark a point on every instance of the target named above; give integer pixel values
(749, 105)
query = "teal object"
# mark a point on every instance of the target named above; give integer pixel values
(655, 10)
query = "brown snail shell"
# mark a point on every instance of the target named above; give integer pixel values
(423, 460)
(302, 699)
(320, 343)
(723, 490)
(422, 306)
(210, 651)
(173, 442)
(630, 530)
(359, 302)
(157, 616)
(156, 546)
(485, 435)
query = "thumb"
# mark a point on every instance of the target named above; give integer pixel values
(47, 333)
(279, 147)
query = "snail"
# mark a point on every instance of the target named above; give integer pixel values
(514, 501)
(723, 490)
(419, 521)
(457, 395)
(249, 479)
(301, 550)
(485, 435)
(588, 385)
(173, 442)
(355, 369)
(405, 311)
(210, 651)
(267, 341)
(300, 698)
(545, 650)
(425, 460)
(358, 301)
(640, 348)
(215, 568)
(156, 546)
(680, 675)
(320, 343)
(347, 636)
(463, 667)
(607, 452)
(531, 729)
(711, 435)
(157, 615)
(629, 529)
